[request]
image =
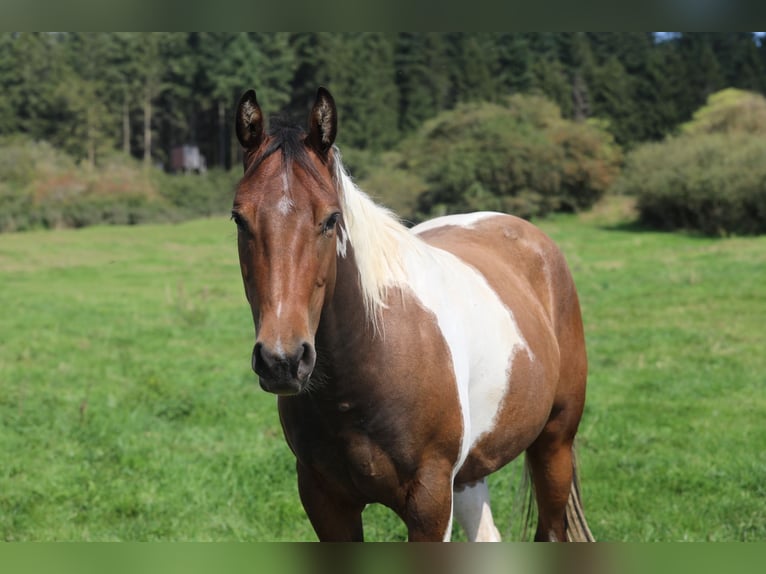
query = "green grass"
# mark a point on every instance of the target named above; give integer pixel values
(128, 410)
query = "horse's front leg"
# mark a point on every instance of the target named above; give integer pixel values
(427, 510)
(334, 518)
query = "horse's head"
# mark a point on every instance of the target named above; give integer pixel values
(287, 210)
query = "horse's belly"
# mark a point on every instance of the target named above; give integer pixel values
(514, 423)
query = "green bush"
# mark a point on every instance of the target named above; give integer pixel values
(713, 183)
(711, 178)
(520, 157)
(198, 195)
(388, 180)
(16, 209)
(24, 160)
(729, 111)
(41, 187)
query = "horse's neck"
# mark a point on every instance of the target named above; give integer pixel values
(345, 333)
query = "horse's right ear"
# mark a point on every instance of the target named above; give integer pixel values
(323, 123)
(249, 122)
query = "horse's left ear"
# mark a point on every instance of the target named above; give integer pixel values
(323, 123)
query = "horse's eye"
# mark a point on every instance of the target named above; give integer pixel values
(239, 221)
(330, 223)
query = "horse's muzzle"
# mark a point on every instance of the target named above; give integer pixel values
(281, 372)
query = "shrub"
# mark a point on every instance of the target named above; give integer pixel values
(16, 212)
(711, 178)
(198, 195)
(43, 187)
(590, 163)
(520, 157)
(729, 111)
(24, 160)
(387, 178)
(713, 183)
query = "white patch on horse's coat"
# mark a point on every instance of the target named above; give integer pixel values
(342, 240)
(448, 531)
(459, 219)
(474, 514)
(285, 205)
(480, 331)
(285, 183)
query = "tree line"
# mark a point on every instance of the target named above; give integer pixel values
(89, 94)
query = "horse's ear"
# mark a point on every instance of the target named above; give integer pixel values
(249, 121)
(323, 122)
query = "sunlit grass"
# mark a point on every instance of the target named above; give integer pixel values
(128, 410)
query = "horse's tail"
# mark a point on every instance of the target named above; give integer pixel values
(526, 499)
(576, 526)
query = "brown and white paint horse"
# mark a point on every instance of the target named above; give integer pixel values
(409, 364)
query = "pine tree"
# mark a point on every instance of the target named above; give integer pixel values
(422, 77)
(8, 83)
(121, 85)
(747, 71)
(84, 94)
(319, 57)
(150, 75)
(514, 63)
(579, 61)
(473, 61)
(611, 91)
(550, 80)
(703, 73)
(366, 91)
(662, 92)
(275, 70)
(39, 66)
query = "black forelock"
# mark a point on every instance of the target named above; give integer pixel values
(289, 138)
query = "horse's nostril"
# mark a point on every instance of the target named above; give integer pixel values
(256, 359)
(264, 360)
(306, 360)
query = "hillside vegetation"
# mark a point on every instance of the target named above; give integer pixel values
(519, 156)
(43, 187)
(431, 123)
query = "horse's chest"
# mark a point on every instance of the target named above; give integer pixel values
(366, 461)
(344, 450)
(359, 465)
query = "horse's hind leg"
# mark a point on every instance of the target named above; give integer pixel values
(472, 511)
(550, 463)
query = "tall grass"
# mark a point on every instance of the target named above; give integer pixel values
(128, 410)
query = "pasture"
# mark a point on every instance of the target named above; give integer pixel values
(128, 410)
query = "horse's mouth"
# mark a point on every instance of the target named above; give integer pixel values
(282, 387)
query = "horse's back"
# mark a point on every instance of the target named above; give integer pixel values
(529, 274)
(512, 254)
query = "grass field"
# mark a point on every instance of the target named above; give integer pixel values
(128, 410)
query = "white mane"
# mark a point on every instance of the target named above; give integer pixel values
(380, 243)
